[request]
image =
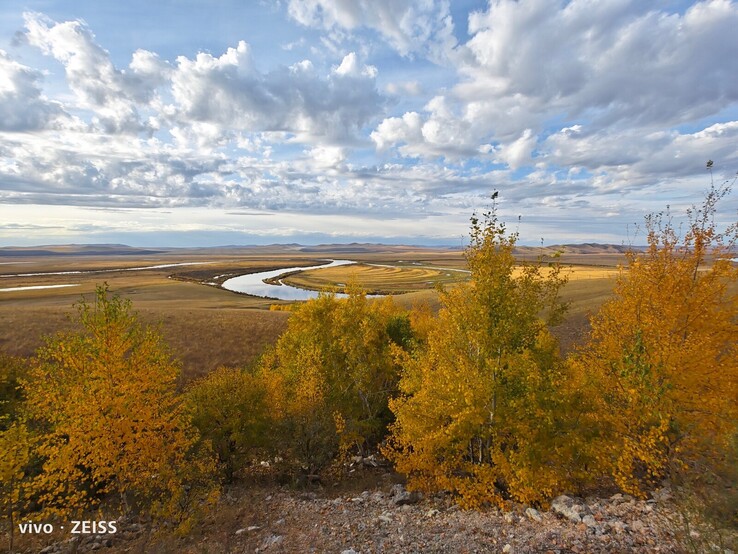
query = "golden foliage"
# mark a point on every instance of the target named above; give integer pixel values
(105, 400)
(662, 362)
(478, 407)
(335, 366)
(16, 448)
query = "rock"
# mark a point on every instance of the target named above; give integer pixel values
(569, 508)
(509, 517)
(507, 549)
(432, 512)
(349, 551)
(638, 526)
(401, 497)
(662, 495)
(589, 521)
(271, 540)
(377, 496)
(385, 517)
(533, 514)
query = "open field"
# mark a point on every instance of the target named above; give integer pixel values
(207, 326)
(376, 279)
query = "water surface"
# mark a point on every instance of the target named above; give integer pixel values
(254, 284)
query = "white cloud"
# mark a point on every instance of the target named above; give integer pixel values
(404, 88)
(22, 105)
(518, 153)
(410, 27)
(111, 93)
(597, 65)
(228, 91)
(589, 108)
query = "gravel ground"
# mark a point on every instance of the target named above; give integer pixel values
(388, 519)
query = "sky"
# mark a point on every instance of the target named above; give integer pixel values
(216, 122)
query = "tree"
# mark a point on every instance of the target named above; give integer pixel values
(112, 423)
(662, 360)
(232, 409)
(16, 451)
(336, 366)
(477, 409)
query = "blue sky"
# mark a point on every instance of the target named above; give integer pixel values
(191, 122)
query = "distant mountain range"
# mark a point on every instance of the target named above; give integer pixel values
(351, 248)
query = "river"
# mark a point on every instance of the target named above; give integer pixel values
(254, 284)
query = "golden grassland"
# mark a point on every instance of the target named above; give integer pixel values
(376, 279)
(207, 326)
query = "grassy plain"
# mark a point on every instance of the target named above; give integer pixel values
(207, 326)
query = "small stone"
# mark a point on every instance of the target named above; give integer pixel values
(589, 521)
(507, 549)
(638, 526)
(432, 512)
(377, 496)
(279, 522)
(509, 517)
(271, 540)
(533, 514)
(385, 517)
(349, 551)
(569, 508)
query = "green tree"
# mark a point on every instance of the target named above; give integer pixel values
(477, 409)
(336, 366)
(105, 400)
(233, 411)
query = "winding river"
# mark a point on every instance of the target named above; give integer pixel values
(254, 284)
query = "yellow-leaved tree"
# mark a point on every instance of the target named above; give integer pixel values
(111, 421)
(233, 409)
(336, 368)
(479, 412)
(661, 366)
(16, 446)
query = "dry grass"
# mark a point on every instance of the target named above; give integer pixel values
(207, 326)
(375, 279)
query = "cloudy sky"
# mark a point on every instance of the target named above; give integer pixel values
(198, 122)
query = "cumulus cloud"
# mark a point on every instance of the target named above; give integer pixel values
(409, 27)
(564, 106)
(440, 132)
(111, 93)
(595, 66)
(22, 105)
(601, 61)
(230, 92)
